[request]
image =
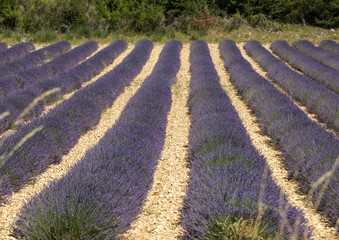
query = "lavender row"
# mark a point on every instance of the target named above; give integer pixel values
(312, 69)
(59, 64)
(3, 46)
(34, 58)
(67, 81)
(330, 46)
(225, 169)
(308, 149)
(317, 98)
(113, 179)
(326, 58)
(65, 124)
(15, 51)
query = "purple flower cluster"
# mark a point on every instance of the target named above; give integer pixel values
(65, 124)
(317, 98)
(59, 64)
(102, 195)
(67, 81)
(311, 68)
(225, 169)
(326, 58)
(34, 58)
(308, 149)
(3, 46)
(330, 46)
(14, 52)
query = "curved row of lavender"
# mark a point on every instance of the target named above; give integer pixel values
(65, 124)
(326, 58)
(102, 195)
(316, 97)
(67, 81)
(330, 46)
(34, 58)
(16, 51)
(59, 64)
(225, 169)
(308, 149)
(312, 69)
(3, 46)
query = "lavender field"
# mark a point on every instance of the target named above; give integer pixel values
(172, 141)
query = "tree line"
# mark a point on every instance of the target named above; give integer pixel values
(147, 15)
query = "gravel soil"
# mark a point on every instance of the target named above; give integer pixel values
(161, 212)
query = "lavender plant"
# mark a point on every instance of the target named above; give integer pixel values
(67, 81)
(226, 185)
(317, 98)
(310, 152)
(312, 69)
(330, 46)
(3, 46)
(34, 58)
(102, 194)
(59, 64)
(14, 52)
(326, 58)
(64, 125)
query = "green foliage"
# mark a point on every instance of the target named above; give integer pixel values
(146, 16)
(9, 13)
(238, 229)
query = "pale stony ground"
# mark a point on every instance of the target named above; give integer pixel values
(161, 211)
(8, 212)
(273, 157)
(312, 116)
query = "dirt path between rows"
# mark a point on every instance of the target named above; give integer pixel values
(273, 157)
(161, 212)
(8, 212)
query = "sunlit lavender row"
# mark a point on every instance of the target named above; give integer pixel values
(113, 179)
(33, 59)
(65, 124)
(23, 79)
(326, 58)
(309, 151)
(312, 69)
(67, 81)
(316, 97)
(3, 46)
(231, 193)
(225, 169)
(14, 52)
(330, 46)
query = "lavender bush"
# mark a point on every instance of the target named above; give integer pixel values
(308, 149)
(225, 169)
(330, 46)
(14, 52)
(59, 64)
(102, 195)
(67, 81)
(65, 124)
(311, 68)
(34, 58)
(326, 58)
(3, 46)
(317, 98)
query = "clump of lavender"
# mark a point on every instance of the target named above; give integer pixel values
(312, 69)
(310, 152)
(231, 192)
(102, 194)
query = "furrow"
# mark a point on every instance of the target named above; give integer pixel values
(161, 211)
(272, 155)
(108, 118)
